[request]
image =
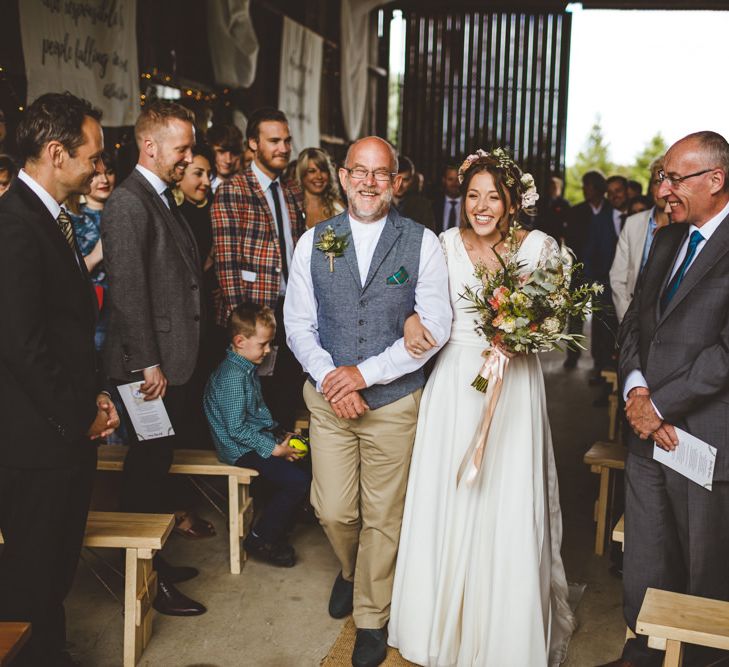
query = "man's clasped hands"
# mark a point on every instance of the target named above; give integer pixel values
(646, 422)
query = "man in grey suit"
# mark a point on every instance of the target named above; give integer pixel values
(675, 372)
(152, 262)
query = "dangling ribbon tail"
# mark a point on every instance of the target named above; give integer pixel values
(492, 375)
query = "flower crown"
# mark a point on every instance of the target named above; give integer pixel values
(512, 172)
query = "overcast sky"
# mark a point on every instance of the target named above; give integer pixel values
(645, 71)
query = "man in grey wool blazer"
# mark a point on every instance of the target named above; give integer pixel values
(152, 261)
(674, 365)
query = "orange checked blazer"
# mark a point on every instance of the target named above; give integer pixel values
(247, 254)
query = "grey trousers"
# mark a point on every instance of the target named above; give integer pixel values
(676, 539)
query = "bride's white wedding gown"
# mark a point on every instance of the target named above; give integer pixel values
(479, 578)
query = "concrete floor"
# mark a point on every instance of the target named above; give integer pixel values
(269, 617)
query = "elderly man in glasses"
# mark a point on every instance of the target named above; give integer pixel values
(674, 368)
(354, 280)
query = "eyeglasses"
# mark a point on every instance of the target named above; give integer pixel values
(677, 180)
(380, 175)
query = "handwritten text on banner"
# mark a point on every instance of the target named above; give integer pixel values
(87, 47)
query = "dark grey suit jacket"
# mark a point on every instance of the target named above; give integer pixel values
(684, 351)
(154, 285)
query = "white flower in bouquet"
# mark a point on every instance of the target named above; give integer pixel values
(551, 325)
(508, 325)
(557, 300)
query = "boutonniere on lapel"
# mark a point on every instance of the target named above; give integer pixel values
(331, 245)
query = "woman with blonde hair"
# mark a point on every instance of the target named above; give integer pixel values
(315, 174)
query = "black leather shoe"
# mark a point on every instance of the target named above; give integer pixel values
(174, 574)
(341, 600)
(171, 602)
(370, 648)
(280, 555)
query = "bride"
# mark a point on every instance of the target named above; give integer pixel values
(479, 577)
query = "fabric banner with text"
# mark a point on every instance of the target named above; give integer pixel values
(89, 48)
(233, 42)
(300, 83)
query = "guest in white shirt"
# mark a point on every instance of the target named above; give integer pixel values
(634, 244)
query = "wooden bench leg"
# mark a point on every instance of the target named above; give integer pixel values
(140, 589)
(246, 514)
(602, 502)
(612, 416)
(674, 653)
(234, 524)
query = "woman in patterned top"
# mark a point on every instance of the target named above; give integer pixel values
(86, 218)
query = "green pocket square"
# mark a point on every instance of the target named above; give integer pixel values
(400, 277)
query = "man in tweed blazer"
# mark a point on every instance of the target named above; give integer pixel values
(257, 220)
(151, 258)
(675, 372)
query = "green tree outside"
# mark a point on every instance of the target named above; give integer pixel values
(596, 155)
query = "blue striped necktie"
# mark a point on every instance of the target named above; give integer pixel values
(673, 286)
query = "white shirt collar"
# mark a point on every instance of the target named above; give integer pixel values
(366, 225)
(54, 208)
(263, 179)
(708, 228)
(155, 181)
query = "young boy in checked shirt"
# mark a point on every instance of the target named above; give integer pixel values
(245, 434)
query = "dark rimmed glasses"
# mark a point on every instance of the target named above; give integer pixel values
(380, 175)
(673, 181)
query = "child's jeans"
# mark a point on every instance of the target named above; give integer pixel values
(290, 484)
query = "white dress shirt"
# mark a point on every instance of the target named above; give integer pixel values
(448, 202)
(432, 303)
(54, 208)
(636, 378)
(265, 183)
(618, 221)
(159, 187)
(156, 182)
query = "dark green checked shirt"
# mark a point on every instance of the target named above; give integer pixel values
(238, 418)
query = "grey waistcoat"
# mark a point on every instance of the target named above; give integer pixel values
(357, 322)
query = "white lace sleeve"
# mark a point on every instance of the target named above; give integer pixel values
(549, 253)
(444, 245)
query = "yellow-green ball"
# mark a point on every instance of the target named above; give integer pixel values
(300, 444)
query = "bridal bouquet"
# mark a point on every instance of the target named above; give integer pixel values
(525, 312)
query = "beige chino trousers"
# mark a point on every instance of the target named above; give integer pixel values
(360, 474)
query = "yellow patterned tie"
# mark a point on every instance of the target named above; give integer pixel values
(64, 223)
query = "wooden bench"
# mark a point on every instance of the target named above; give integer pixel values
(611, 377)
(301, 424)
(204, 462)
(673, 619)
(140, 535)
(619, 532)
(13, 637)
(604, 457)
